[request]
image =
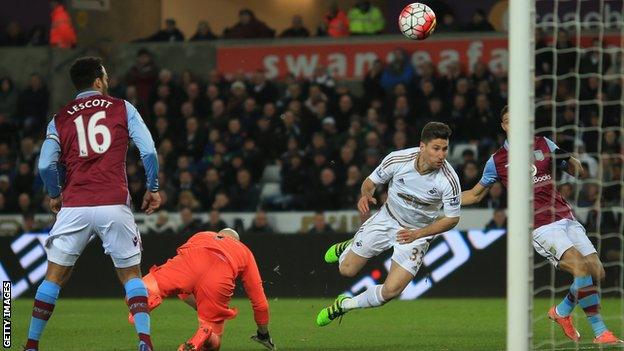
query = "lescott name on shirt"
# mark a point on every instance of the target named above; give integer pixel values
(89, 104)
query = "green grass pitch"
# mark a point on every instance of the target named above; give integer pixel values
(425, 324)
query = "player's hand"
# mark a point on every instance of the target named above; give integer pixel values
(151, 202)
(264, 339)
(364, 201)
(406, 236)
(56, 203)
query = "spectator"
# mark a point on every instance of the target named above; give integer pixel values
(297, 30)
(470, 175)
(319, 226)
(24, 203)
(245, 194)
(365, 19)
(4, 206)
(335, 23)
(498, 221)
(351, 190)
(248, 27)
(162, 226)
(215, 223)
(209, 188)
(62, 34)
(8, 97)
(8, 191)
(447, 24)
(222, 202)
(37, 36)
(25, 178)
(188, 224)
(398, 71)
(28, 223)
(372, 82)
(13, 36)
(479, 23)
(203, 32)
(32, 105)
(170, 33)
(325, 193)
(260, 224)
(262, 89)
(187, 199)
(143, 75)
(497, 198)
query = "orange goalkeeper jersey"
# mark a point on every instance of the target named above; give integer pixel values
(243, 265)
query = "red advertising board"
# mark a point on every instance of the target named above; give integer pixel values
(352, 59)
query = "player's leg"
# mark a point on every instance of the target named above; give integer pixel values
(68, 238)
(121, 240)
(376, 235)
(589, 295)
(551, 241)
(406, 260)
(370, 240)
(212, 295)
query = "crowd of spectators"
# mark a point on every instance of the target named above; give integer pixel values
(363, 18)
(60, 35)
(215, 136)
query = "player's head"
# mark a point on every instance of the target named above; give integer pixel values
(504, 115)
(230, 232)
(88, 73)
(434, 143)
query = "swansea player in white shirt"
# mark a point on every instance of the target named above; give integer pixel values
(424, 199)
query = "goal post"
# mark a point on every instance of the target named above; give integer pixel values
(520, 194)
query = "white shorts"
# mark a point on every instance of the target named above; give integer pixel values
(378, 234)
(552, 240)
(75, 226)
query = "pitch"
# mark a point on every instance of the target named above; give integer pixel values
(425, 324)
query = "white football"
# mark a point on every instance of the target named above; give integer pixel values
(417, 21)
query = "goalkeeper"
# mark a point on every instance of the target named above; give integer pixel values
(203, 274)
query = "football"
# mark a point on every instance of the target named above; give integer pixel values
(417, 21)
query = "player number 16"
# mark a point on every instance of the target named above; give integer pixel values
(92, 131)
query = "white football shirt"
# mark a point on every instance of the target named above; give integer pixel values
(418, 199)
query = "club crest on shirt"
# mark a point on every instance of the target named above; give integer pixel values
(454, 201)
(539, 155)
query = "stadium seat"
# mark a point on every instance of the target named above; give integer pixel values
(456, 154)
(271, 174)
(270, 189)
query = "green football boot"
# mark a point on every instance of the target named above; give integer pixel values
(331, 312)
(334, 251)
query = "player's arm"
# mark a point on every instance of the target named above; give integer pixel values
(381, 175)
(49, 169)
(474, 195)
(366, 195)
(142, 138)
(252, 282)
(565, 161)
(569, 164)
(478, 192)
(441, 225)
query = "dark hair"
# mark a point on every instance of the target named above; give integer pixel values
(85, 70)
(435, 130)
(504, 111)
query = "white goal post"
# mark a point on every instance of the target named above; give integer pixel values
(520, 194)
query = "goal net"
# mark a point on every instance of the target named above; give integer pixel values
(579, 104)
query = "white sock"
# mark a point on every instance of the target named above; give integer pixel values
(369, 298)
